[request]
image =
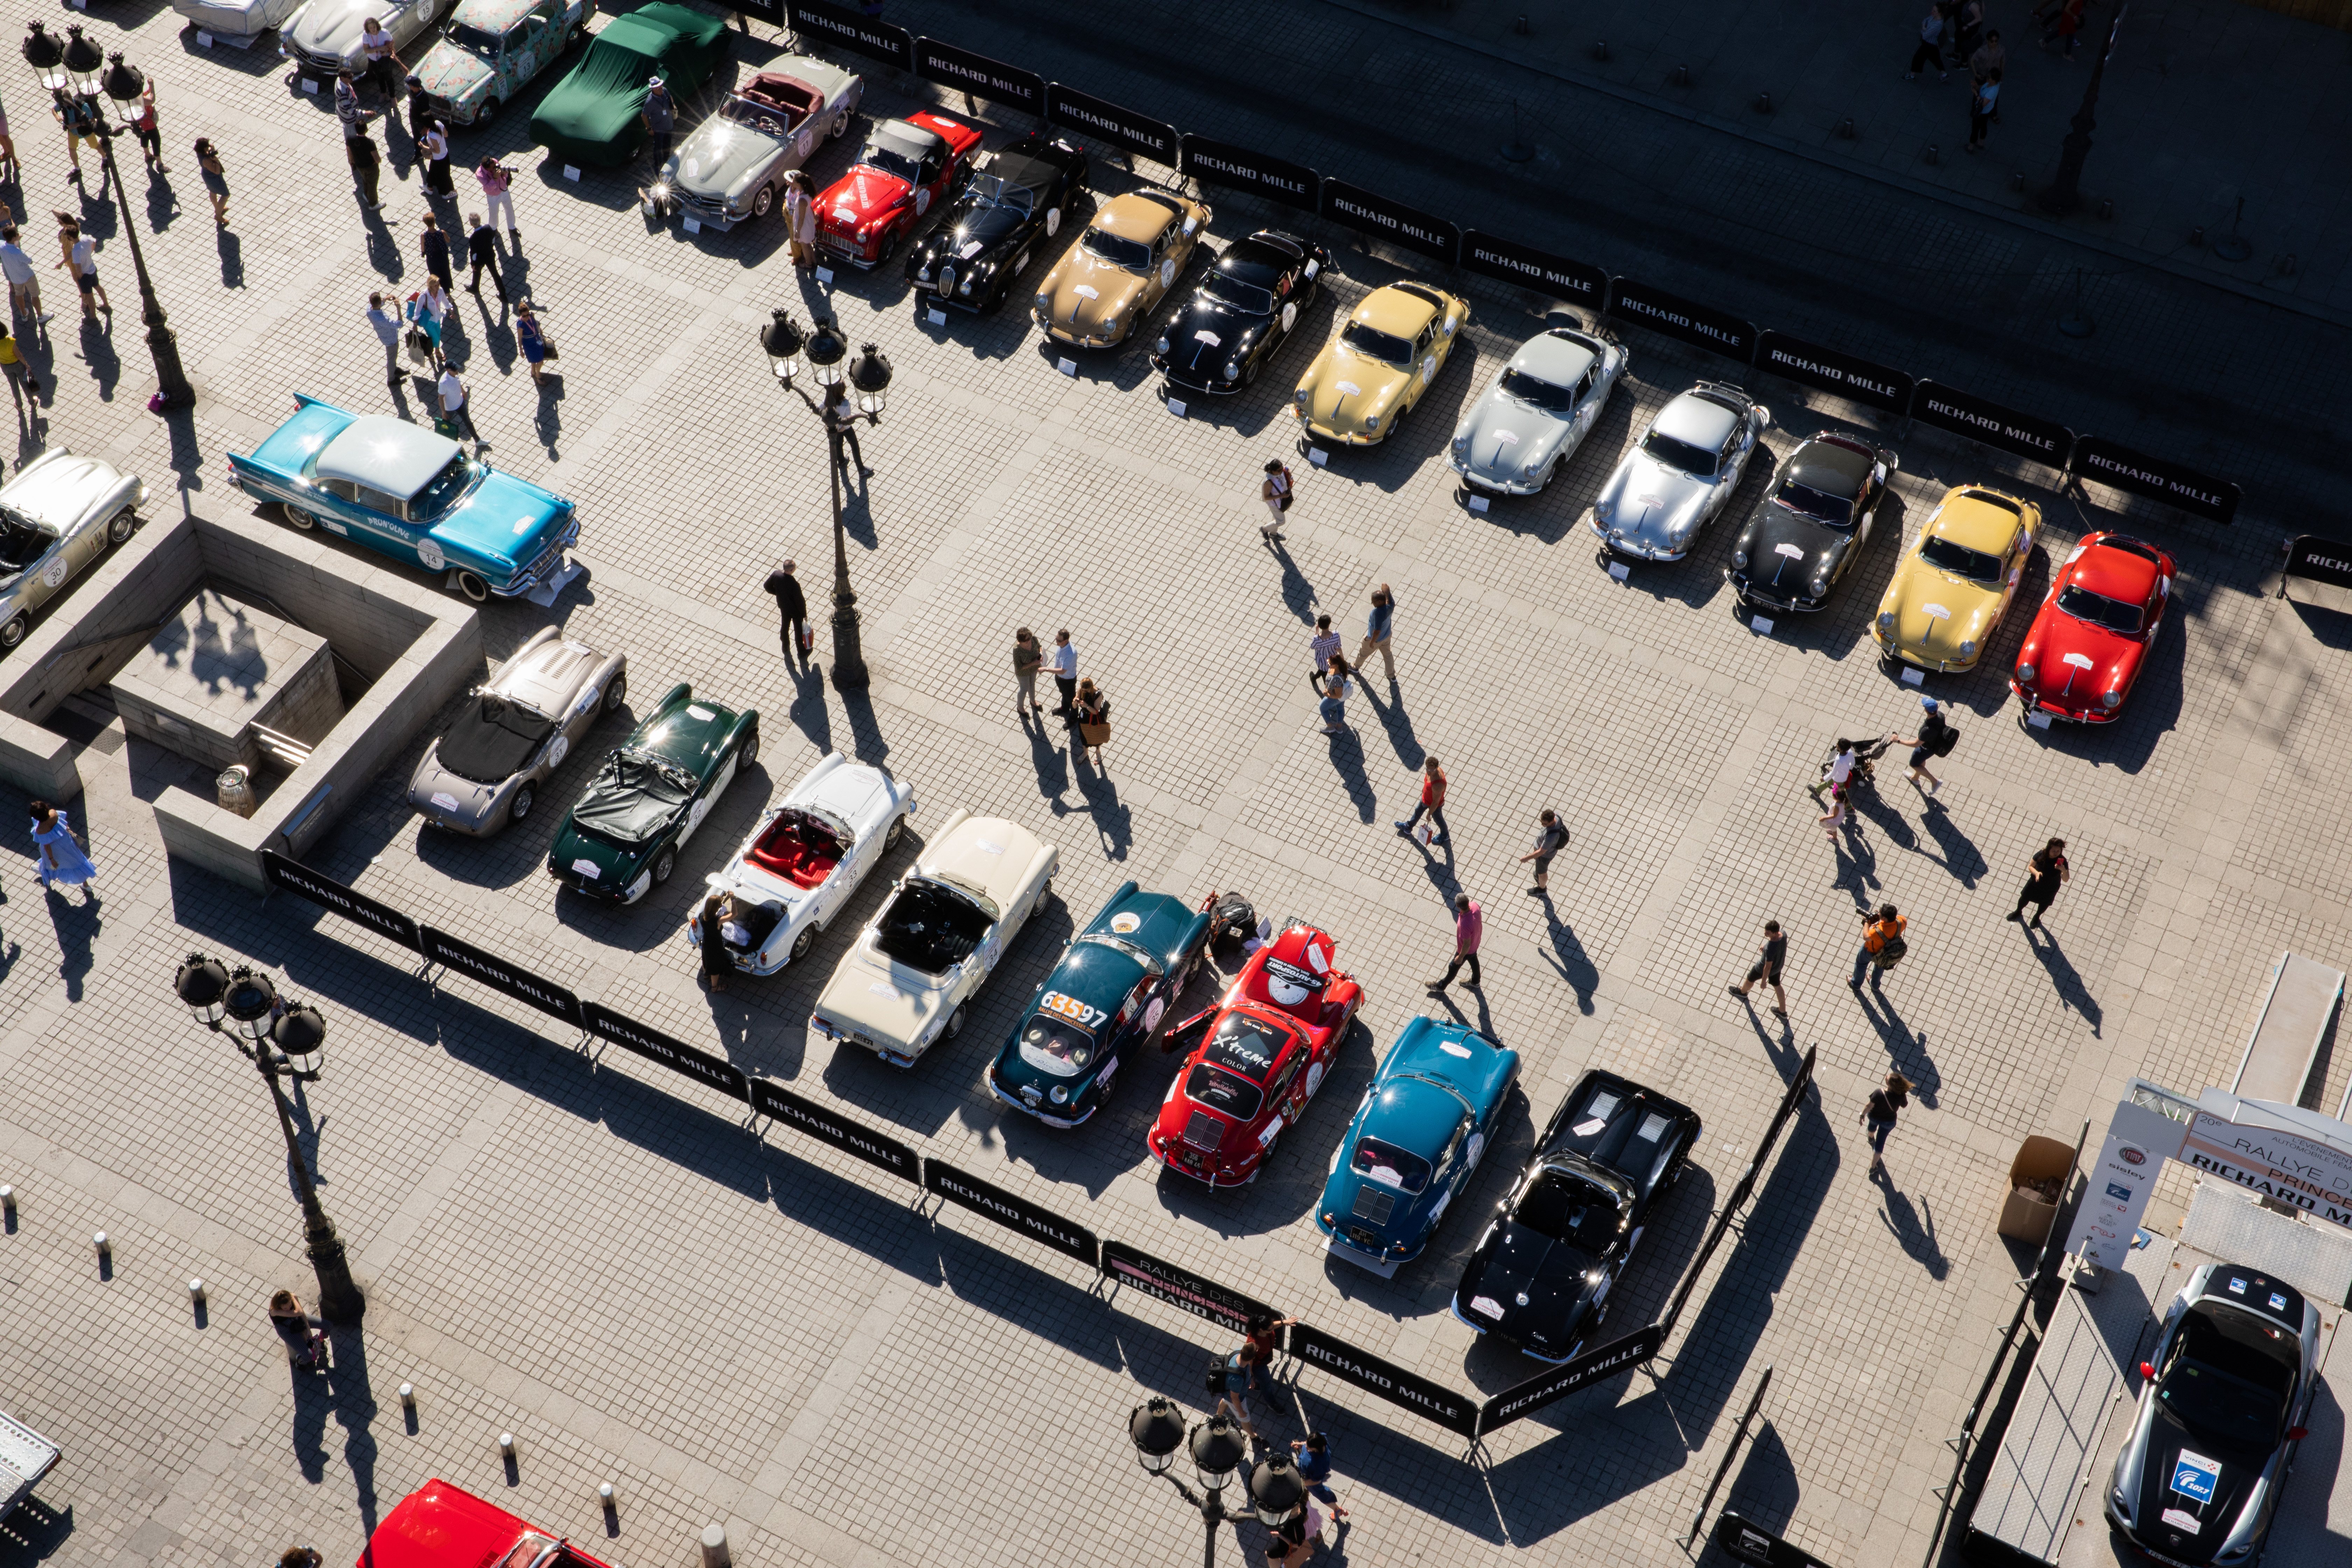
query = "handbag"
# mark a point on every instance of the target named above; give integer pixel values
(549, 344)
(420, 345)
(1095, 734)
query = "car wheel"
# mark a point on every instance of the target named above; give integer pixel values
(892, 246)
(488, 112)
(803, 943)
(898, 830)
(13, 633)
(955, 1025)
(616, 694)
(301, 518)
(472, 585)
(748, 747)
(520, 806)
(840, 124)
(664, 864)
(1249, 373)
(764, 202)
(125, 525)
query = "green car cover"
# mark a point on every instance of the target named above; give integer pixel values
(592, 115)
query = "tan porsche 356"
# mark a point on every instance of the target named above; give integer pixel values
(1378, 363)
(1130, 256)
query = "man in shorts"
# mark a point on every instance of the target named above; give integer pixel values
(24, 279)
(1551, 837)
(1768, 969)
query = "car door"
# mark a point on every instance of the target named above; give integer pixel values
(1425, 363)
(707, 796)
(84, 545)
(528, 49)
(2021, 549)
(1165, 265)
(46, 575)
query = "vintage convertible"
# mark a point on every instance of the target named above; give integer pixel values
(805, 858)
(906, 166)
(595, 114)
(621, 840)
(59, 514)
(980, 250)
(732, 168)
(513, 730)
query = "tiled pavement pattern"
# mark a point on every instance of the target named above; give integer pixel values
(596, 1258)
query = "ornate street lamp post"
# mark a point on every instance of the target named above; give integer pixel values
(858, 391)
(1219, 1449)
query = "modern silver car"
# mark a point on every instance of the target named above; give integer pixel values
(1536, 412)
(732, 167)
(1679, 474)
(514, 729)
(57, 516)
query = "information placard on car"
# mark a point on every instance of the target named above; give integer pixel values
(979, 75)
(1679, 318)
(1491, 256)
(1407, 229)
(1856, 379)
(1107, 121)
(1994, 424)
(822, 23)
(1040, 1224)
(674, 1054)
(281, 871)
(2199, 495)
(1180, 1286)
(775, 1100)
(1433, 1400)
(1216, 162)
(439, 947)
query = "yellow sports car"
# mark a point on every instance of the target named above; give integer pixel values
(1369, 377)
(1952, 586)
(1130, 256)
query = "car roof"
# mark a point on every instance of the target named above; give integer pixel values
(1561, 361)
(2124, 575)
(1701, 421)
(1397, 311)
(1137, 215)
(1616, 1124)
(1262, 258)
(1453, 1054)
(385, 454)
(1831, 467)
(493, 16)
(1980, 519)
(1412, 1114)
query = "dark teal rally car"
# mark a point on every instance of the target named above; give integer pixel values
(624, 837)
(1105, 999)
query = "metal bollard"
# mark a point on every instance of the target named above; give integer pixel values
(2016, 180)
(1931, 154)
(2197, 237)
(1845, 128)
(714, 1547)
(1681, 77)
(1763, 104)
(1519, 24)
(1601, 50)
(2108, 208)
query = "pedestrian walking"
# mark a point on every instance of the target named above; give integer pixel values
(800, 219)
(367, 167)
(1883, 946)
(61, 860)
(1936, 737)
(1027, 659)
(841, 416)
(1093, 709)
(2065, 22)
(384, 66)
(1433, 802)
(428, 308)
(351, 114)
(1287, 1545)
(1377, 627)
(1312, 1454)
(28, 399)
(1968, 30)
(1325, 646)
(300, 1557)
(1276, 492)
(10, 169)
(1767, 969)
(78, 254)
(482, 250)
(146, 129)
(1992, 55)
(1838, 771)
(1836, 816)
(385, 320)
(1930, 51)
(1250, 1369)
(1981, 104)
(306, 1347)
(792, 609)
(659, 117)
(433, 245)
(420, 109)
(1879, 1114)
(79, 116)
(2045, 874)
(1551, 837)
(434, 151)
(454, 411)
(498, 194)
(23, 279)
(1469, 929)
(1064, 663)
(537, 347)
(215, 175)
(1334, 706)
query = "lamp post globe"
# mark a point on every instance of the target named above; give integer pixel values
(47, 56)
(1158, 1431)
(203, 985)
(826, 349)
(782, 338)
(82, 60)
(301, 1036)
(251, 1003)
(869, 376)
(1218, 1450)
(1276, 1489)
(122, 82)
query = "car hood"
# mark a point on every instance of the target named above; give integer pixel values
(969, 231)
(1786, 552)
(2074, 662)
(61, 490)
(1086, 291)
(1655, 506)
(1934, 611)
(1206, 334)
(1344, 388)
(453, 74)
(434, 786)
(721, 155)
(862, 192)
(1508, 437)
(848, 793)
(331, 26)
(2169, 1449)
(504, 522)
(1552, 1275)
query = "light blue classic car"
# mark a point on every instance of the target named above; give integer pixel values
(489, 50)
(416, 497)
(1414, 1142)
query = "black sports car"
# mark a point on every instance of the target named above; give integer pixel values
(1810, 528)
(1023, 195)
(1543, 1273)
(1243, 311)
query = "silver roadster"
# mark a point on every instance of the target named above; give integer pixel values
(1536, 411)
(59, 514)
(732, 167)
(1680, 474)
(513, 730)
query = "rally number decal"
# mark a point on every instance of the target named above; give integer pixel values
(1070, 1007)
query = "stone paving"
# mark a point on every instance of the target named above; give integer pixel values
(597, 1258)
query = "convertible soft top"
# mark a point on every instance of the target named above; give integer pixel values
(492, 740)
(633, 797)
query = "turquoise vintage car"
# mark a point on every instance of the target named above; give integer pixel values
(488, 50)
(623, 838)
(415, 496)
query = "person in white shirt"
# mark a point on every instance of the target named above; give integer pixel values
(24, 282)
(453, 408)
(1063, 662)
(386, 323)
(79, 256)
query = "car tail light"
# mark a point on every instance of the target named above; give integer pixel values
(2147, 1369)
(2297, 1433)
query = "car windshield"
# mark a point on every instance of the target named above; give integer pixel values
(1543, 393)
(931, 927)
(1056, 1047)
(1245, 1045)
(760, 117)
(991, 190)
(1676, 453)
(1820, 505)
(1389, 1165)
(442, 491)
(2098, 609)
(2228, 1391)
(1220, 1090)
(1373, 344)
(1569, 1208)
(530, 1548)
(1241, 296)
(1131, 254)
(465, 35)
(890, 161)
(22, 541)
(1960, 560)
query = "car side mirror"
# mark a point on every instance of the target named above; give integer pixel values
(2297, 1433)
(2146, 1369)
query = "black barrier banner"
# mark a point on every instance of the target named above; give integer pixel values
(325, 892)
(2199, 495)
(1433, 1400)
(1581, 1372)
(775, 1100)
(768, 11)
(1491, 257)
(1180, 1286)
(439, 947)
(655, 1045)
(1679, 318)
(1407, 229)
(1276, 179)
(1984, 420)
(1809, 365)
(2321, 559)
(1746, 1543)
(1039, 1224)
(991, 80)
(1155, 138)
(821, 22)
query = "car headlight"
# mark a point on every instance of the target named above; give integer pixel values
(964, 286)
(1969, 648)
(1462, 444)
(1372, 421)
(2025, 674)
(1740, 558)
(1820, 586)
(1160, 347)
(1044, 303)
(1061, 1094)
(2120, 1503)
(1232, 370)
(2111, 699)
(924, 276)
(1886, 622)
(1299, 398)
(1530, 471)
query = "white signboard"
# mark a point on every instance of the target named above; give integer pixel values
(2139, 1140)
(2312, 1176)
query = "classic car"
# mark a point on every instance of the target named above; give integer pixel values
(622, 837)
(1376, 367)
(1542, 1272)
(489, 50)
(58, 515)
(1101, 1004)
(512, 732)
(2084, 649)
(1243, 310)
(415, 496)
(1811, 527)
(1127, 261)
(909, 982)
(1409, 1150)
(733, 167)
(2223, 1406)
(805, 858)
(325, 36)
(594, 115)
(1016, 199)
(907, 164)
(438, 1525)
(1258, 1056)
(1952, 588)
(1672, 482)
(236, 22)
(1536, 412)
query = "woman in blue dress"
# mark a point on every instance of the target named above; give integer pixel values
(59, 857)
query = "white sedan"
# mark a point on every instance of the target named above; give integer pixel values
(909, 982)
(805, 858)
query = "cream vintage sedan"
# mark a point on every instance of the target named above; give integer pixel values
(910, 978)
(1130, 256)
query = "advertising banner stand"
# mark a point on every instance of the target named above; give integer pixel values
(821, 22)
(2317, 559)
(1430, 1401)
(1126, 1266)
(282, 871)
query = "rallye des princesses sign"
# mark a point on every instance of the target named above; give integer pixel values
(2315, 1177)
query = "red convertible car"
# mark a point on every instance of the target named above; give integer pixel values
(863, 216)
(1262, 1052)
(2084, 649)
(441, 1526)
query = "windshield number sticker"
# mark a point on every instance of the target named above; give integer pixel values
(1070, 1007)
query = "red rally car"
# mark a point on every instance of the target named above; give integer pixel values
(441, 1526)
(1262, 1052)
(863, 216)
(2086, 647)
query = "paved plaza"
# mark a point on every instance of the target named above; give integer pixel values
(600, 1258)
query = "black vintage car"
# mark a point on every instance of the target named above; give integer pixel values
(1541, 1274)
(1022, 196)
(1811, 526)
(1243, 311)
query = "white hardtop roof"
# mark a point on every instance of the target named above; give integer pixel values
(385, 454)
